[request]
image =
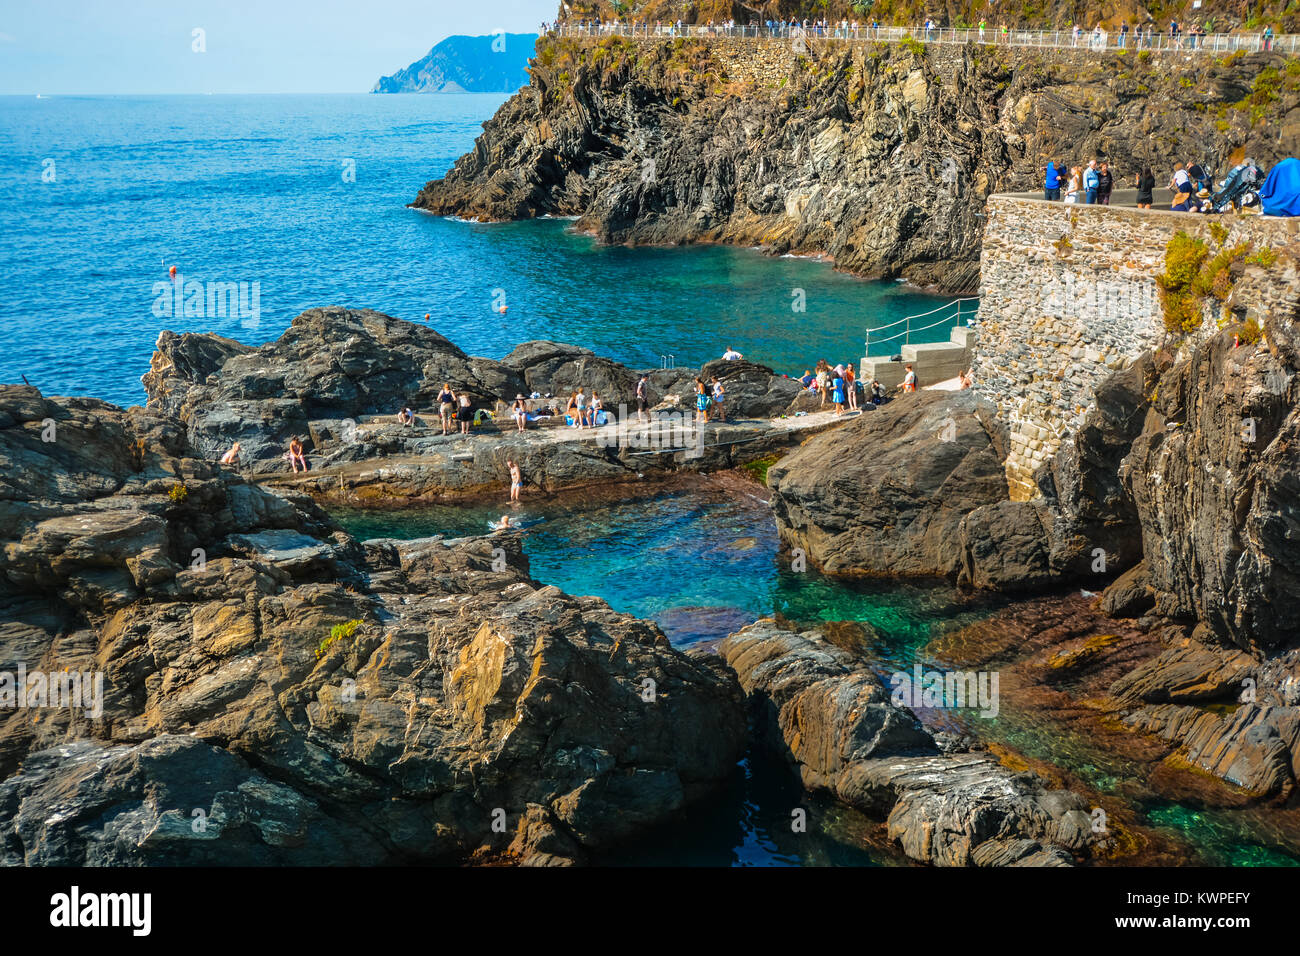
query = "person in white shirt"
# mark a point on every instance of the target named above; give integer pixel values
(909, 380)
(731, 355)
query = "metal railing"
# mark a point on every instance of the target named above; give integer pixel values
(952, 315)
(1087, 40)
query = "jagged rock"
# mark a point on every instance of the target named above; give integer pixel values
(1217, 511)
(1130, 594)
(886, 493)
(833, 719)
(337, 377)
(1256, 747)
(1186, 674)
(385, 702)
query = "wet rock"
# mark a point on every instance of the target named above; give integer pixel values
(833, 719)
(1130, 594)
(1185, 674)
(1256, 748)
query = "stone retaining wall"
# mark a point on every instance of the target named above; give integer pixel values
(1068, 294)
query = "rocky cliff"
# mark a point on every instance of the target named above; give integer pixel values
(878, 155)
(274, 691)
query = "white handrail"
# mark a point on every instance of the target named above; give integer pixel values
(863, 32)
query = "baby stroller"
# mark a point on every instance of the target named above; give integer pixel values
(1239, 188)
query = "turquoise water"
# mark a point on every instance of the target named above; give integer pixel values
(702, 561)
(251, 189)
(699, 561)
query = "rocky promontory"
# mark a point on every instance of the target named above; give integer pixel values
(878, 155)
(274, 691)
(337, 378)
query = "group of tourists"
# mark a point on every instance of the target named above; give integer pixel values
(1093, 184)
(838, 386)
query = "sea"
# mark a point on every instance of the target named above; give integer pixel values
(300, 201)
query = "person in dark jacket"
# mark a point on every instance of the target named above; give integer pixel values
(1105, 183)
(1145, 182)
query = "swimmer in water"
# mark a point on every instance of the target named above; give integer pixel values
(505, 523)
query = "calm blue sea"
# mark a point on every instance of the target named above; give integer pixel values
(306, 197)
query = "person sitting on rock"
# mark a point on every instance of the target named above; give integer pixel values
(966, 379)
(406, 416)
(231, 457)
(296, 456)
(731, 355)
(808, 379)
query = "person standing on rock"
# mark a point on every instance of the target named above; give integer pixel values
(521, 412)
(643, 398)
(580, 409)
(837, 394)
(823, 378)
(446, 405)
(701, 403)
(719, 400)
(516, 480)
(464, 412)
(851, 386)
(1052, 183)
(909, 380)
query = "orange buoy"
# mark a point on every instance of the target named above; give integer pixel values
(502, 310)
(426, 316)
(172, 272)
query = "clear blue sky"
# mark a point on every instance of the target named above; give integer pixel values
(253, 46)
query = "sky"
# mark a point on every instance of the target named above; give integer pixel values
(250, 46)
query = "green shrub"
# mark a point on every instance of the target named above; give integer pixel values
(1184, 256)
(1249, 332)
(339, 632)
(1266, 257)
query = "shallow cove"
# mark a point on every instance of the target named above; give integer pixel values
(700, 558)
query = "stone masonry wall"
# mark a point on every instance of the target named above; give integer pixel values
(1067, 295)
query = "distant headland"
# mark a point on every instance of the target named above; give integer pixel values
(497, 63)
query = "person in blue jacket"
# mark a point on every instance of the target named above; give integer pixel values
(1052, 183)
(1091, 180)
